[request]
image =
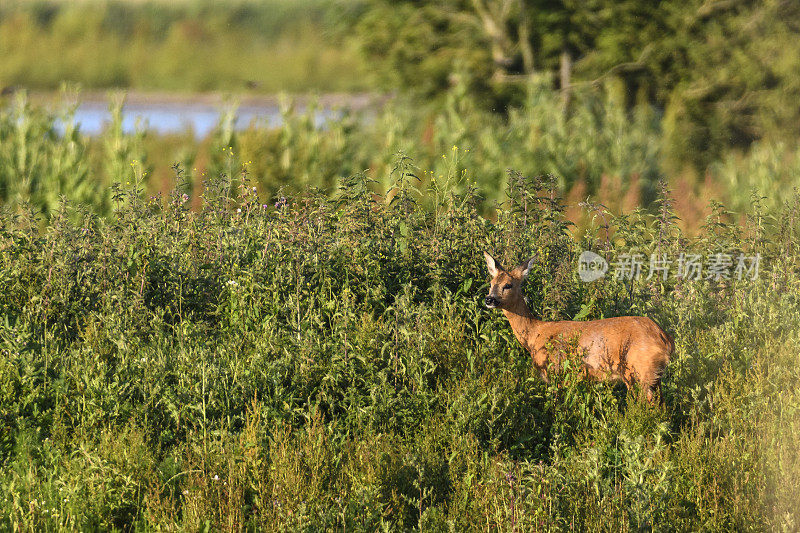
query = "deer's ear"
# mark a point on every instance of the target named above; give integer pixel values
(525, 268)
(491, 264)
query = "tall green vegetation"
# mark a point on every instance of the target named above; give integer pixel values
(326, 362)
(600, 150)
(286, 330)
(722, 75)
(39, 165)
(269, 46)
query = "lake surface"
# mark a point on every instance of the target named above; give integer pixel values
(181, 116)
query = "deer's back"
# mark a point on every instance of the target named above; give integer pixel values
(619, 345)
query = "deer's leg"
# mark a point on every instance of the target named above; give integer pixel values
(627, 379)
(543, 373)
(654, 393)
(540, 361)
(650, 395)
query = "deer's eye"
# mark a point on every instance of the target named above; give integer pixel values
(507, 286)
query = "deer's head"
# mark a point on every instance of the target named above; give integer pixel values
(505, 290)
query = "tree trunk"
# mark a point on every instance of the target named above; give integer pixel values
(525, 39)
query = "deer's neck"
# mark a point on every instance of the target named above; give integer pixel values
(522, 321)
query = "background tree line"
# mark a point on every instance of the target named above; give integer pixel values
(723, 72)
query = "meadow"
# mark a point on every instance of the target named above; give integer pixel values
(156, 45)
(286, 331)
(599, 149)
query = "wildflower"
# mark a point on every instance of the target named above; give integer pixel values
(232, 283)
(216, 477)
(239, 210)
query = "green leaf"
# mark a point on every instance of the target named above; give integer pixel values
(585, 311)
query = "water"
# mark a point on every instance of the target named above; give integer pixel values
(178, 117)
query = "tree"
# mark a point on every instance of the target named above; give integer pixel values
(724, 72)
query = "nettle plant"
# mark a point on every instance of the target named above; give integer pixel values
(184, 366)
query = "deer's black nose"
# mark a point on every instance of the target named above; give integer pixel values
(491, 302)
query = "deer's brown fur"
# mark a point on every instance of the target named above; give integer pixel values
(631, 349)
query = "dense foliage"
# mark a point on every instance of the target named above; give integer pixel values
(600, 150)
(724, 73)
(326, 362)
(286, 330)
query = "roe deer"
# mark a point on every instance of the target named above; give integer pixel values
(633, 349)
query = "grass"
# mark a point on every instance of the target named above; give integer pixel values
(599, 151)
(255, 340)
(326, 362)
(261, 47)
